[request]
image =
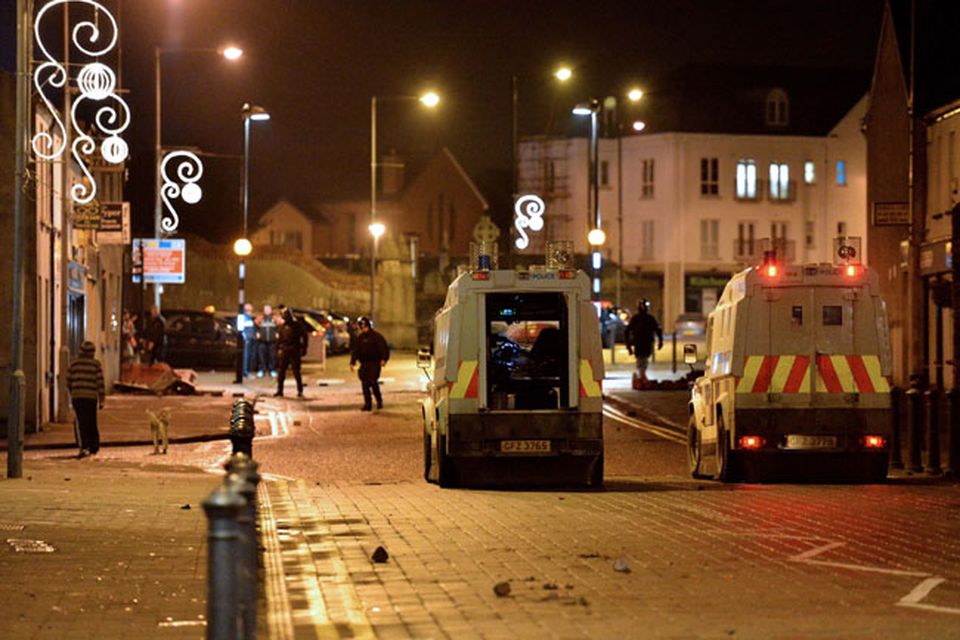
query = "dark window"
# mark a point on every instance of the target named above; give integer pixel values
(796, 314)
(832, 315)
(527, 351)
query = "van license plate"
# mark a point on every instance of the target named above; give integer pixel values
(524, 446)
(811, 442)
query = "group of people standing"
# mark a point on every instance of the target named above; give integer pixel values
(272, 343)
(151, 346)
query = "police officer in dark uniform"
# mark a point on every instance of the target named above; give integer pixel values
(291, 346)
(371, 351)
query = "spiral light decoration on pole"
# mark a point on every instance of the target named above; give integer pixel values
(96, 83)
(189, 170)
(528, 210)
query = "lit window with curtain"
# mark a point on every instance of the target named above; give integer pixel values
(841, 173)
(779, 181)
(746, 180)
(809, 172)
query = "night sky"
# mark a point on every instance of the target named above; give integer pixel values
(314, 64)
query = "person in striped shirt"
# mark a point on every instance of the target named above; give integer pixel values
(85, 383)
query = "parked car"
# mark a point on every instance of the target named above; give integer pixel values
(341, 332)
(613, 319)
(200, 340)
(690, 325)
(317, 327)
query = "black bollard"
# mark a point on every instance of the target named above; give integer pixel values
(242, 427)
(915, 409)
(933, 432)
(896, 406)
(953, 459)
(222, 508)
(246, 557)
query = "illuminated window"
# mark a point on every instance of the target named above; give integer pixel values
(709, 239)
(709, 176)
(777, 108)
(841, 173)
(746, 180)
(809, 172)
(646, 186)
(779, 181)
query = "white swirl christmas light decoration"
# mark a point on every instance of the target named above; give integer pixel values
(528, 210)
(96, 82)
(189, 170)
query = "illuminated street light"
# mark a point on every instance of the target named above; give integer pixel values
(231, 52)
(563, 74)
(430, 99)
(593, 109)
(377, 229)
(596, 237)
(639, 125)
(634, 95)
(249, 113)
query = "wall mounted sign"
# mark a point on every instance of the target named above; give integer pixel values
(161, 261)
(114, 223)
(887, 214)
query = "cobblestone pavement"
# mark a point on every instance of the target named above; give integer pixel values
(704, 561)
(98, 549)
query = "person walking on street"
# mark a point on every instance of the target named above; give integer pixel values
(371, 351)
(248, 332)
(156, 336)
(639, 336)
(266, 332)
(85, 384)
(291, 347)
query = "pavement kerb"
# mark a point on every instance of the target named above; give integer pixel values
(643, 413)
(50, 446)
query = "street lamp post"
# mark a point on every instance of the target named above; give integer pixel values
(430, 99)
(228, 52)
(596, 236)
(242, 247)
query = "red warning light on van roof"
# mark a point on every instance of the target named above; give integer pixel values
(771, 270)
(852, 270)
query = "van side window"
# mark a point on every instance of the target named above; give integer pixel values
(796, 315)
(832, 315)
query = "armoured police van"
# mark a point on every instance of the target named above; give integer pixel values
(516, 372)
(798, 374)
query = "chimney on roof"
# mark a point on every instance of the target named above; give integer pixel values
(392, 168)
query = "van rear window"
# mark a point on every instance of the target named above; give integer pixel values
(832, 315)
(526, 351)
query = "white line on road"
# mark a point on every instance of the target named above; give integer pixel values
(666, 434)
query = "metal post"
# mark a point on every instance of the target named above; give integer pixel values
(933, 431)
(158, 157)
(18, 381)
(66, 233)
(222, 508)
(373, 202)
(246, 556)
(896, 407)
(915, 409)
(619, 213)
(245, 204)
(595, 188)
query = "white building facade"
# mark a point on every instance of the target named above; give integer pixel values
(690, 209)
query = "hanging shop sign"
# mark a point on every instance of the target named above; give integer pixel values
(114, 223)
(87, 216)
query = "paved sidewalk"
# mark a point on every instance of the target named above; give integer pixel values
(97, 549)
(124, 422)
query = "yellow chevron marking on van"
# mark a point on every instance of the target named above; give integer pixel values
(464, 374)
(872, 365)
(590, 386)
(780, 374)
(750, 371)
(844, 374)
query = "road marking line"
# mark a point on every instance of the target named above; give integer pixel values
(867, 568)
(810, 553)
(283, 422)
(921, 591)
(666, 434)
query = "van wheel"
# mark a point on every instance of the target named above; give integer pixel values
(427, 454)
(694, 448)
(446, 472)
(722, 460)
(596, 474)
